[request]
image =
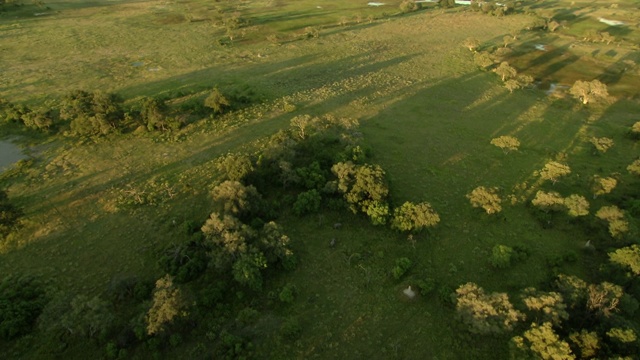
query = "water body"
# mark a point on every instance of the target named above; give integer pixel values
(9, 154)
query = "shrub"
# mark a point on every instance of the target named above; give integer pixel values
(307, 202)
(22, 299)
(501, 256)
(426, 286)
(288, 294)
(402, 266)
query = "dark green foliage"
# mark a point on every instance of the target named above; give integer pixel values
(426, 286)
(12, 113)
(312, 176)
(307, 202)
(402, 266)
(234, 167)
(154, 114)
(89, 318)
(9, 215)
(92, 114)
(288, 294)
(40, 119)
(247, 270)
(501, 256)
(21, 302)
(291, 329)
(233, 347)
(185, 262)
(247, 316)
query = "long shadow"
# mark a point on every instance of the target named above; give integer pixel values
(614, 72)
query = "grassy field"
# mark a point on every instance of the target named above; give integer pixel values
(425, 110)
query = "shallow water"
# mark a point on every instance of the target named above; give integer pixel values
(9, 154)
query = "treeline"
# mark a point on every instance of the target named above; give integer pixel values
(94, 113)
(214, 278)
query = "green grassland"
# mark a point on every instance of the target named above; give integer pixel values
(425, 110)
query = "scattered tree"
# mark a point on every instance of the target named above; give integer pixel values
(229, 236)
(505, 71)
(588, 343)
(92, 114)
(548, 201)
(541, 342)
(485, 313)
(301, 123)
(364, 188)
(603, 185)
(577, 205)
(471, 43)
(512, 85)
(553, 25)
(414, 217)
(485, 198)
(506, 143)
(216, 101)
(615, 217)
(545, 306)
(234, 167)
(482, 59)
(90, 318)
(553, 171)
(634, 168)
(234, 198)
(604, 298)
(627, 257)
(308, 202)
(247, 270)
(168, 304)
(407, 6)
(602, 144)
(587, 92)
(606, 37)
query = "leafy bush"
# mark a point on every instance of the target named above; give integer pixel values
(291, 329)
(21, 302)
(501, 256)
(426, 286)
(402, 266)
(307, 202)
(288, 294)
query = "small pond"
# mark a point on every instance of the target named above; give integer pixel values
(9, 154)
